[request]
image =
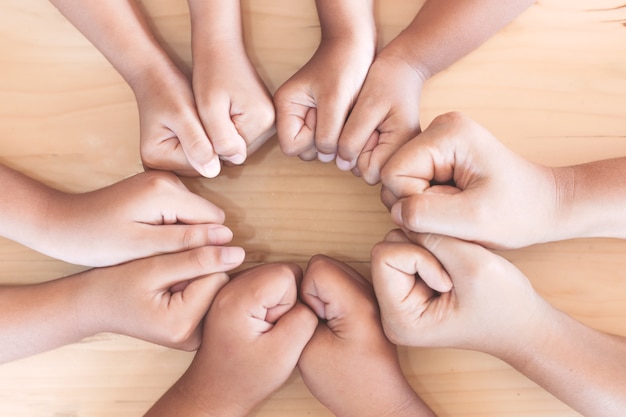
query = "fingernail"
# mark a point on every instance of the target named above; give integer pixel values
(233, 255)
(326, 157)
(212, 168)
(344, 165)
(236, 159)
(396, 214)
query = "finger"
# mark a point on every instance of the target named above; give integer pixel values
(426, 158)
(255, 124)
(359, 128)
(197, 147)
(378, 150)
(399, 269)
(331, 288)
(166, 155)
(292, 332)
(387, 197)
(271, 289)
(190, 208)
(397, 236)
(449, 214)
(192, 304)
(218, 123)
(177, 238)
(295, 126)
(454, 254)
(308, 154)
(331, 116)
(168, 270)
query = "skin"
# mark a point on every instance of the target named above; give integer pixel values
(311, 109)
(161, 299)
(457, 179)
(493, 308)
(172, 135)
(349, 365)
(253, 336)
(235, 107)
(386, 113)
(144, 215)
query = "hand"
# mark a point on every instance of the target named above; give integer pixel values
(172, 135)
(144, 215)
(312, 106)
(489, 307)
(349, 348)
(385, 116)
(253, 336)
(456, 179)
(235, 107)
(161, 299)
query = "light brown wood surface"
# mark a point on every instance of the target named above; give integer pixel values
(551, 86)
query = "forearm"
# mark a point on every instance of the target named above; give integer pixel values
(24, 208)
(191, 396)
(347, 19)
(582, 367)
(40, 317)
(122, 34)
(446, 30)
(592, 200)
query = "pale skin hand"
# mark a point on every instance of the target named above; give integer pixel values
(144, 215)
(386, 114)
(235, 107)
(457, 179)
(493, 308)
(349, 365)
(172, 135)
(313, 104)
(491, 195)
(161, 299)
(253, 336)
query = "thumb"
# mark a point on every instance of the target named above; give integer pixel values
(441, 212)
(297, 326)
(226, 140)
(295, 126)
(191, 305)
(197, 147)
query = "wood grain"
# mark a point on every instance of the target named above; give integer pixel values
(552, 86)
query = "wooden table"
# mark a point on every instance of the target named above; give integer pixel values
(552, 86)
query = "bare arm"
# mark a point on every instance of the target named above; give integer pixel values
(386, 114)
(592, 200)
(445, 30)
(234, 104)
(172, 136)
(160, 299)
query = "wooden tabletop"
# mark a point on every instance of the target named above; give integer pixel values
(551, 86)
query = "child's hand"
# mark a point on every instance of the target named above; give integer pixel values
(161, 299)
(456, 179)
(235, 107)
(172, 135)
(349, 365)
(253, 336)
(144, 215)
(312, 106)
(385, 116)
(443, 292)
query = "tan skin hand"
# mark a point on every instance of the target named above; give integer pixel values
(349, 364)
(144, 215)
(235, 106)
(385, 116)
(253, 336)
